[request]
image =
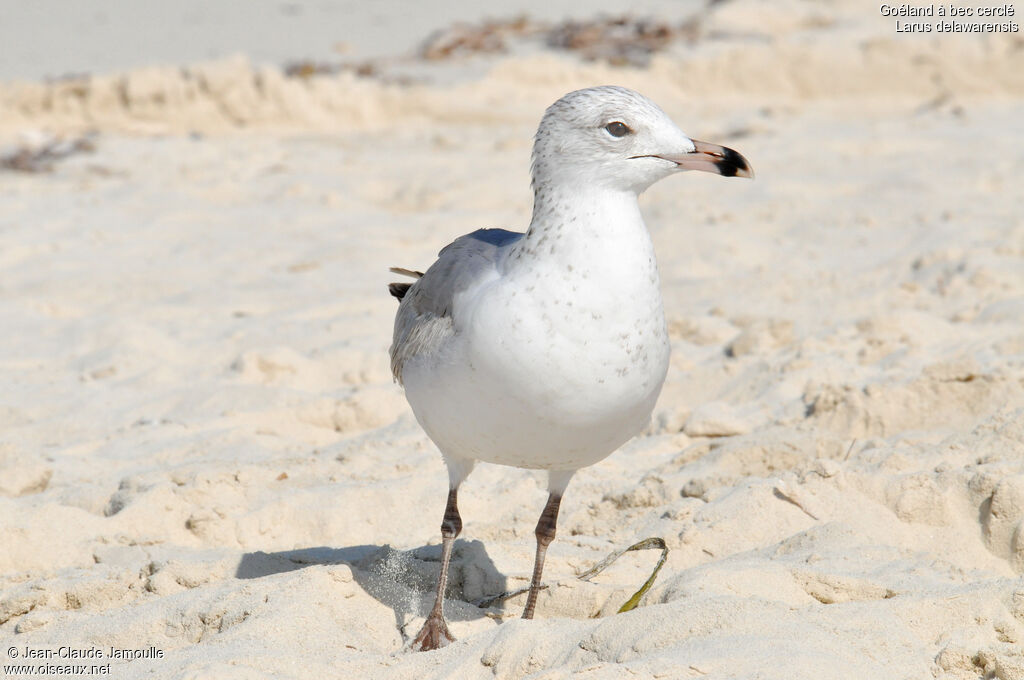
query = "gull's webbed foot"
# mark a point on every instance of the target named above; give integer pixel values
(433, 635)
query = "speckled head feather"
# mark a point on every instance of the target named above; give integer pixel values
(618, 139)
(574, 141)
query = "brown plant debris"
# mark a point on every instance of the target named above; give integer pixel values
(40, 156)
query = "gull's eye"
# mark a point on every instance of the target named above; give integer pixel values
(617, 129)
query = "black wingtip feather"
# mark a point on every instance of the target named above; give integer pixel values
(398, 290)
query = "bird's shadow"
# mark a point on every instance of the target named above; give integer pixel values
(403, 580)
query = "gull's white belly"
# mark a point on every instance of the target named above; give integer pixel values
(543, 382)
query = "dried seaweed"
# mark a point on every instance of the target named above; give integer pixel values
(646, 544)
(631, 603)
(618, 40)
(621, 40)
(41, 157)
(464, 39)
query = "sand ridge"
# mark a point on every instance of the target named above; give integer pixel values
(785, 51)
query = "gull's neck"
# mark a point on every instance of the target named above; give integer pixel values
(587, 259)
(575, 223)
(588, 248)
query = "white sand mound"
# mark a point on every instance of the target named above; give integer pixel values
(751, 49)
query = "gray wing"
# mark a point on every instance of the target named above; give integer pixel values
(424, 319)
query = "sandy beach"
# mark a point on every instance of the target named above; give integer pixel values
(206, 470)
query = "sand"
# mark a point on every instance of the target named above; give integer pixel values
(203, 457)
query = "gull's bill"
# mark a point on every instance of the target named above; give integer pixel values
(708, 157)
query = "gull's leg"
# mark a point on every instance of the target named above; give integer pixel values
(558, 480)
(435, 633)
(545, 534)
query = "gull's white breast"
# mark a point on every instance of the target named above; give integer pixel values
(557, 358)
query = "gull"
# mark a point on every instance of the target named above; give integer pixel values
(548, 349)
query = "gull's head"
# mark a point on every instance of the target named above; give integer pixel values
(620, 139)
